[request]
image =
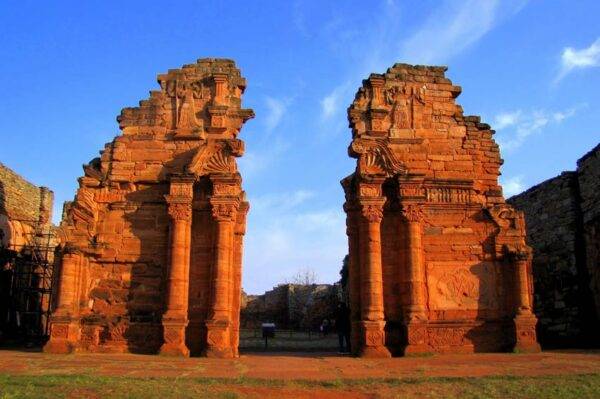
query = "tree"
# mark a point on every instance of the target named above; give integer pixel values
(304, 276)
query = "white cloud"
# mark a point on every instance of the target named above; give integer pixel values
(506, 119)
(512, 186)
(332, 103)
(572, 59)
(449, 30)
(516, 126)
(276, 109)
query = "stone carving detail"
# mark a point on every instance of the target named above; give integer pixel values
(413, 213)
(448, 250)
(60, 331)
(224, 211)
(448, 195)
(404, 101)
(180, 211)
(216, 158)
(372, 213)
(375, 158)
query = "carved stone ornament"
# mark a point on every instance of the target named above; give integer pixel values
(375, 158)
(224, 211)
(373, 213)
(413, 213)
(180, 211)
(216, 157)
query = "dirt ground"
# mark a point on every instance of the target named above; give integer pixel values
(294, 366)
(292, 375)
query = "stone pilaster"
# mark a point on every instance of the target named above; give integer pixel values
(175, 318)
(415, 317)
(352, 230)
(219, 323)
(372, 316)
(236, 291)
(65, 330)
(525, 321)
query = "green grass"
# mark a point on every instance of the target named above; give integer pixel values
(54, 386)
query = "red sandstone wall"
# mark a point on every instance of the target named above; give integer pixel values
(140, 238)
(448, 240)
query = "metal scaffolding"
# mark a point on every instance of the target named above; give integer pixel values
(28, 275)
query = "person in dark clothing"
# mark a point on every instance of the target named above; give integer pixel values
(342, 323)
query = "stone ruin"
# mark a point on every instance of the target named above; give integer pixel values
(563, 228)
(152, 243)
(438, 260)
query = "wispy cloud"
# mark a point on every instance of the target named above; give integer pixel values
(572, 59)
(512, 185)
(332, 103)
(516, 126)
(449, 30)
(275, 111)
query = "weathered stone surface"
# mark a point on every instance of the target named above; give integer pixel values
(24, 208)
(152, 242)
(563, 220)
(438, 260)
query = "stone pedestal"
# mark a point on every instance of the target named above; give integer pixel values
(174, 337)
(217, 339)
(65, 333)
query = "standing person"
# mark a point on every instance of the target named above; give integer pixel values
(342, 322)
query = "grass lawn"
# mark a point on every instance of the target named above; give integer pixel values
(48, 386)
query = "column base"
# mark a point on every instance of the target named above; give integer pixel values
(416, 338)
(174, 338)
(525, 334)
(218, 343)
(373, 340)
(65, 335)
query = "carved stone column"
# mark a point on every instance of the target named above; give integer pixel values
(219, 323)
(525, 321)
(372, 315)
(352, 227)
(175, 318)
(236, 291)
(65, 330)
(415, 317)
(413, 215)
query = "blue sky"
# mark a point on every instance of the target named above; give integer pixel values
(529, 68)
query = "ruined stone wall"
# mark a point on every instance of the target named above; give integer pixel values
(562, 216)
(436, 255)
(552, 216)
(23, 206)
(588, 170)
(152, 242)
(292, 306)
